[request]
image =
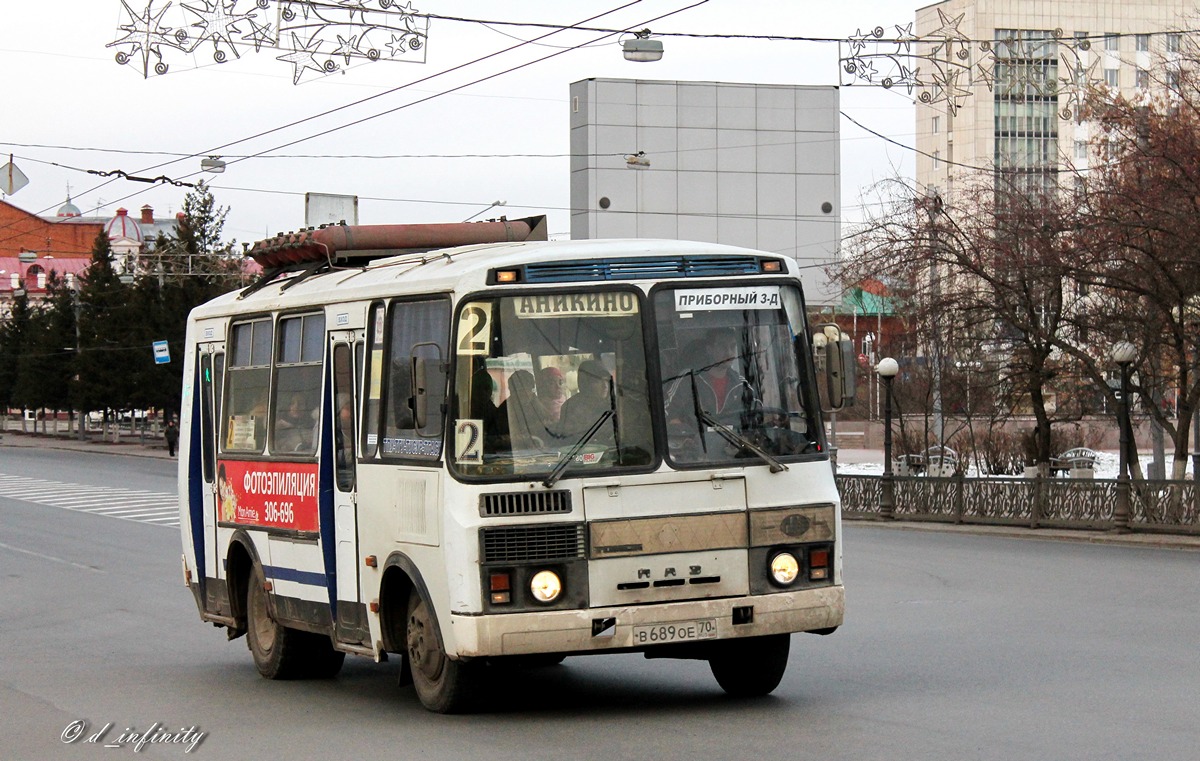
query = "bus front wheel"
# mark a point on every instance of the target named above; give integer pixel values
(443, 685)
(750, 667)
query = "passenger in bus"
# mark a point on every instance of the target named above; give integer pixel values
(581, 411)
(295, 428)
(483, 408)
(526, 427)
(551, 393)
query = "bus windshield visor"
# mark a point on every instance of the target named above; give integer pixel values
(735, 375)
(551, 383)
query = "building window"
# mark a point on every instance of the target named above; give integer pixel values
(937, 160)
(1081, 149)
(1143, 79)
(1112, 41)
(1173, 41)
(1112, 78)
(1141, 42)
(937, 124)
(1172, 80)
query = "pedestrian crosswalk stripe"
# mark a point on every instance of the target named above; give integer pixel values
(154, 508)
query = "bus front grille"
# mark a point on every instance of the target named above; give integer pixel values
(526, 544)
(525, 503)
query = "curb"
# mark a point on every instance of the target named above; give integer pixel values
(18, 440)
(1146, 540)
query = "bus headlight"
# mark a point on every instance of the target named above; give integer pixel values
(784, 568)
(545, 586)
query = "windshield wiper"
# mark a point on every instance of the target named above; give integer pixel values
(738, 439)
(730, 435)
(574, 450)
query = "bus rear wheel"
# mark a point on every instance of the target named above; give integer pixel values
(750, 667)
(280, 652)
(443, 685)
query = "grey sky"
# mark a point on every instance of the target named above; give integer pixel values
(64, 88)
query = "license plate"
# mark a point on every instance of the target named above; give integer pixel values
(680, 631)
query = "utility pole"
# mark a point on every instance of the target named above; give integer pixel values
(935, 212)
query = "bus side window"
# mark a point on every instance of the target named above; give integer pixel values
(207, 437)
(372, 383)
(298, 359)
(343, 422)
(244, 430)
(417, 338)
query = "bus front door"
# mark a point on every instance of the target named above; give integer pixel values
(351, 627)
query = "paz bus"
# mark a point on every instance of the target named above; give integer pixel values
(465, 445)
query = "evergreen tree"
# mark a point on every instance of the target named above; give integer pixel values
(12, 340)
(105, 324)
(181, 272)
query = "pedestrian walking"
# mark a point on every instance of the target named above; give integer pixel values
(172, 436)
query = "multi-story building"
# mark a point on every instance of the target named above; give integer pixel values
(1003, 80)
(750, 165)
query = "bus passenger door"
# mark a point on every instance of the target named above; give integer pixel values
(351, 624)
(210, 361)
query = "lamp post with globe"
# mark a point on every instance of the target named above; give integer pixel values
(887, 370)
(1123, 353)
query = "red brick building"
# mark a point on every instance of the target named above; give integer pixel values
(32, 246)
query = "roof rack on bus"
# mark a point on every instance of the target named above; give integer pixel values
(315, 250)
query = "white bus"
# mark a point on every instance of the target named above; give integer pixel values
(516, 451)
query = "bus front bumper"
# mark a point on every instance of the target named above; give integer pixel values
(641, 626)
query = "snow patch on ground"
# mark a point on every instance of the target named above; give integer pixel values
(1107, 466)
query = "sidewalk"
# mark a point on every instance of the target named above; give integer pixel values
(131, 446)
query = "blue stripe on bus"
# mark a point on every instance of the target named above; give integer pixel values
(325, 510)
(291, 574)
(195, 490)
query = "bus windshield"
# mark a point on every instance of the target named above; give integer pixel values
(733, 380)
(551, 382)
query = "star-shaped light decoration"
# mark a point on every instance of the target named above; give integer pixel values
(347, 47)
(905, 39)
(948, 34)
(350, 28)
(217, 23)
(144, 34)
(1079, 79)
(261, 35)
(302, 57)
(355, 6)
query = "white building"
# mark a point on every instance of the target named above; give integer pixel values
(742, 164)
(1005, 77)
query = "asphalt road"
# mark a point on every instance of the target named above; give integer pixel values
(955, 647)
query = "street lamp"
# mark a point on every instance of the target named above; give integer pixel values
(1123, 353)
(886, 370)
(641, 48)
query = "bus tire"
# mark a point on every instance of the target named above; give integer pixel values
(321, 660)
(750, 667)
(278, 651)
(443, 685)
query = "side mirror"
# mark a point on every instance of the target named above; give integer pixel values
(420, 393)
(841, 375)
(418, 399)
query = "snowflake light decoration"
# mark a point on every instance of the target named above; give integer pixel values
(942, 66)
(314, 36)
